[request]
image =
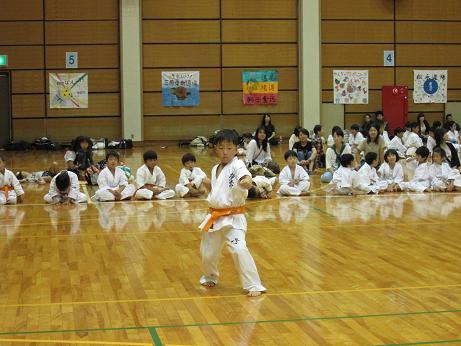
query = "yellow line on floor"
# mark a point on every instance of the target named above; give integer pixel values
(195, 230)
(153, 300)
(81, 342)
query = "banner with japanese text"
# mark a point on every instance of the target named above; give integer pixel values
(260, 87)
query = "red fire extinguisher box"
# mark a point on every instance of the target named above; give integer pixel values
(395, 106)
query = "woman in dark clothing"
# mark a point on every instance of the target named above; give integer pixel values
(441, 140)
(84, 159)
(423, 125)
(270, 129)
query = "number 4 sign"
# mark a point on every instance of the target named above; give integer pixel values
(71, 60)
(389, 58)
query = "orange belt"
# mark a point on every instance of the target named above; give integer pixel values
(6, 189)
(217, 213)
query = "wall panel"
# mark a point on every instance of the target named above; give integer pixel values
(197, 36)
(81, 10)
(89, 32)
(173, 31)
(424, 34)
(357, 32)
(179, 9)
(21, 10)
(358, 9)
(21, 33)
(260, 31)
(36, 34)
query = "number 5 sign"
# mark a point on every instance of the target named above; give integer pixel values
(71, 60)
(389, 58)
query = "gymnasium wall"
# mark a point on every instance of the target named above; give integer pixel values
(219, 38)
(425, 34)
(36, 34)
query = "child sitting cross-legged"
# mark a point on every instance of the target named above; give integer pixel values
(293, 179)
(193, 182)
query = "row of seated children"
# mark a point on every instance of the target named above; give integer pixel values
(438, 176)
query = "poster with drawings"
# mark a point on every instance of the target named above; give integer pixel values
(430, 86)
(180, 88)
(68, 90)
(350, 86)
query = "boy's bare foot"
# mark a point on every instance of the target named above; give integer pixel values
(209, 284)
(254, 293)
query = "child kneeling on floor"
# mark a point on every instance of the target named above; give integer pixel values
(65, 189)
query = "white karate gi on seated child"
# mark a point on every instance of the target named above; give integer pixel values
(421, 180)
(346, 180)
(65, 188)
(369, 179)
(293, 179)
(112, 181)
(262, 187)
(413, 141)
(226, 222)
(397, 142)
(10, 188)
(390, 172)
(444, 178)
(191, 179)
(150, 179)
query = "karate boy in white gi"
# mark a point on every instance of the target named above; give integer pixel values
(192, 180)
(422, 178)
(226, 222)
(151, 180)
(65, 189)
(10, 188)
(293, 179)
(112, 181)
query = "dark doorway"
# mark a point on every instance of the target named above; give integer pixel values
(5, 116)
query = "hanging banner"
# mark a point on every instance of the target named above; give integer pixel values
(260, 87)
(350, 86)
(68, 90)
(181, 88)
(430, 86)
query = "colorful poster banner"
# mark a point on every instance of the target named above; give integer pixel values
(260, 87)
(68, 90)
(430, 86)
(180, 88)
(350, 86)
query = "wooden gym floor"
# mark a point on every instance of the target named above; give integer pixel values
(367, 270)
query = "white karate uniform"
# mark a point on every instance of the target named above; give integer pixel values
(330, 140)
(264, 183)
(369, 179)
(194, 177)
(453, 137)
(258, 154)
(293, 139)
(10, 180)
(397, 144)
(390, 175)
(344, 180)
(405, 137)
(441, 174)
(421, 179)
(386, 138)
(354, 141)
(430, 144)
(413, 142)
(230, 230)
(108, 181)
(286, 177)
(54, 196)
(157, 178)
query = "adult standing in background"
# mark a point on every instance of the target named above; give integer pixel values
(270, 129)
